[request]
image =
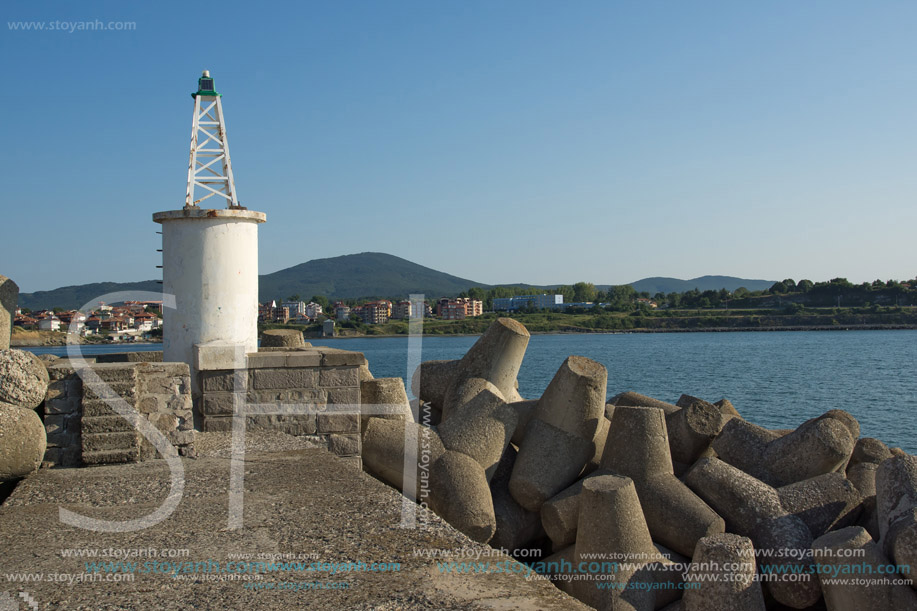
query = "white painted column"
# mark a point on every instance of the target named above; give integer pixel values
(210, 264)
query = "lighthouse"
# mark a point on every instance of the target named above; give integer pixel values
(209, 254)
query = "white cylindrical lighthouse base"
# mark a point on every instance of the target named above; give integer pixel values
(210, 265)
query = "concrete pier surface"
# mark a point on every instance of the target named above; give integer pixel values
(300, 506)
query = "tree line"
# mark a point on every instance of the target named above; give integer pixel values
(787, 293)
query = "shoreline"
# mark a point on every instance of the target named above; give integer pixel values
(769, 329)
(51, 342)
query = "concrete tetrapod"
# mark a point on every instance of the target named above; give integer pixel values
(742, 444)
(727, 408)
(896, 504)
(841, 571)
(863, 476)
(724, 406)
(723, 566)
(384, 443)
(692, 428)
(819, 445)
(560, 438)
(666, 570)
(638, 448)
(384, 398)
(574, 401)
(825, 502)
(431, 380)
(496, 357)
(752, 508)
(482, 428)
(611, 526)
(516, 526)
(601, 439)
(635, 399)
(525, 409)
(549, 460)
(868, 450)
(459, 494)
(559, 563)
(560, 514)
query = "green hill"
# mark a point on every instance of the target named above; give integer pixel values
(72, 297)
(368, 274)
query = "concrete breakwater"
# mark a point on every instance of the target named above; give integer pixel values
(645, 504)
(631, 503)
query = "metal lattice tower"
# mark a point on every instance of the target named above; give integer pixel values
(209, 148)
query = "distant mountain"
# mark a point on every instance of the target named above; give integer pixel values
(72, 297)
(669, 285)
(704, 283)
(368, 274)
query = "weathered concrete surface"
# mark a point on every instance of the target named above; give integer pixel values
(635, 399)
(482, 429)
(611, 521)
(516, 526)
(496, 357)
(383, 398)
(431, 380)
(868, 450)
(23, 378)
(385, 443)
(460, 494)
(22, 442)
(753, 509)
(549, 460)
(896, 502)
(282, 338)
(835, 551)
(826, 502)
(305, 502)
(675, 516)
(724, 567)
(692, 428)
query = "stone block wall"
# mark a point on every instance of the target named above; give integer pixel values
(107, 437)
(164, 398)
(83, 428)
(63, 411)
(312, 393)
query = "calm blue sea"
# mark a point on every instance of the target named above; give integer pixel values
(776, 379)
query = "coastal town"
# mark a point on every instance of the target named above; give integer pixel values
(447, 308)
(126, 322)
(383, 310)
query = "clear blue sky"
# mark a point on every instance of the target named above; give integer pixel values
(511, 141)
